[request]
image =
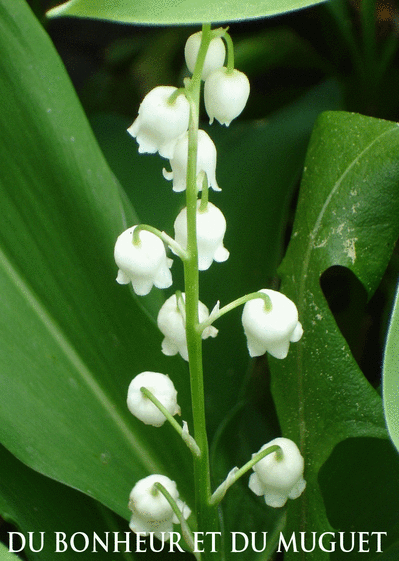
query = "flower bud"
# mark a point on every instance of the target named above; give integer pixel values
(214, 58)
(172, 324)
(145, 264)
(211, 227)
(159, 122)
(225, 95)
(151, 512)
(206, 162)
(161, 386)
(271, 331)
(279, 475)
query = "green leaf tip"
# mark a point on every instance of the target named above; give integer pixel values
(176, 12)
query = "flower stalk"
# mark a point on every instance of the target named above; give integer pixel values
(187, 438)
(186, 532)
(174, 246)
(238, 302)
(236, 473)
(206, 513)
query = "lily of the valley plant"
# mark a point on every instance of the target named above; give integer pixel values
(168, 123)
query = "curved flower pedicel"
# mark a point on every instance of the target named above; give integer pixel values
(271, 330)
(144, 264)
(214, 58)
(206, 162)
(279, 476)
(160, 122)
(172, 324)
(225, 95)
(211, 227)
(161, 386)
(151, 512)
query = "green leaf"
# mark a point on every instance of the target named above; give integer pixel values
(5, 555)
(391, 376)
(360, 485)
(35, 503)
(38, 504)
(72, 338)
(347, 215)
(177, 11)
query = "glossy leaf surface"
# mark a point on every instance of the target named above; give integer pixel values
(39, 504)
(72, 338)
(175, 12)
(5, 555)
(347, 215)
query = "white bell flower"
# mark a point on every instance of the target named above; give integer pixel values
(271, 331)
(225, 95)
(145, 264)
(206, 162)
(279, 475)
(151, 512)
(159, 122)
(172, 324)
(211, 227)
(214, 57)
(161, 386)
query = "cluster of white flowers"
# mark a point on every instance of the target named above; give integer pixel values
(162, 126)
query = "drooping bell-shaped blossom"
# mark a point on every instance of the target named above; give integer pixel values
(225, 95)
(160, 122)
(151, 512)
(211, 227)
(161, 386)
(279, 475)
(172, 324)
(144, 264)
(271, 330)
(206, 162)
(214, 57)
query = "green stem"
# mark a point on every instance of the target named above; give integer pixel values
(187, 535)
(368, 19)
(175, 95)
(174, 246)
(206, 514)
(236, 473)
(230, 53)
(182, 431)
(242, 300)
(341, 14)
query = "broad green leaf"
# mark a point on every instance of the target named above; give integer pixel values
(347, 215)
(71, 337)
(176, 12)
(5, 555)
(259, 164)
(391, 376)
(38, 504)
(360, 485)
